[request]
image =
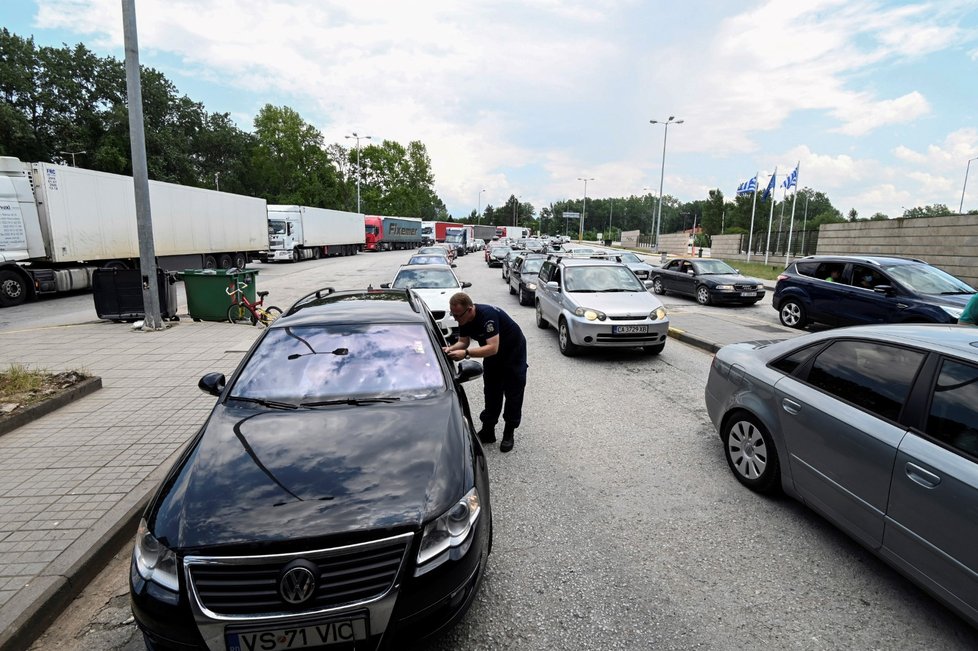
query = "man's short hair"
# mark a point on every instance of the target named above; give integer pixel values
(461, 299)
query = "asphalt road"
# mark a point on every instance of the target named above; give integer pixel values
(617, 522)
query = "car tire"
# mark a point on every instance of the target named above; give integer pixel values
(703, 295)
(523, 296)
(541, 322)
(658, 287)
(750, 453)
(654, 350)
(567, 347)
(511, 290)
(792, 314)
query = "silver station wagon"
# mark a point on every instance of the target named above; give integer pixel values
(875, 428)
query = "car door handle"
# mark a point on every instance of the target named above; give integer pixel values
(923, 477)
(790, 406)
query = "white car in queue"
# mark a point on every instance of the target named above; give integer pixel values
(597, 303)
(435, 284)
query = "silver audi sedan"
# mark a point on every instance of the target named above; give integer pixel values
(873, 427)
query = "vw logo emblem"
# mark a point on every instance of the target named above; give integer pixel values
(297, 585)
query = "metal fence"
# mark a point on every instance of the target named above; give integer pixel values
(802, 243)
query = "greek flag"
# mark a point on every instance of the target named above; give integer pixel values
(770, 188)
(747, 186)
(791, 180)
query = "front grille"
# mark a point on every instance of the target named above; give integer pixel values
(635, 317)
(650, 337)
(745, 288)
(250, 586)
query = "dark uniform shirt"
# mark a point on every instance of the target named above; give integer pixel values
(490, 321)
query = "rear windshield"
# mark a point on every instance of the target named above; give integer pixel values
(328, 362)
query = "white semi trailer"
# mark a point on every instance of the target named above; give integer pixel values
(58, 224)
(302, 232)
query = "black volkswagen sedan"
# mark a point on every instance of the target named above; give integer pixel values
(336, 493)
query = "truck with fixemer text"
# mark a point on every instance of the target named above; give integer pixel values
(58, 224)
(391, 233)
(303, 232)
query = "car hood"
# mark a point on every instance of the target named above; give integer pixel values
(731, 279)
(951, 300)
(638, 304)
(269, 475)
(437, 299)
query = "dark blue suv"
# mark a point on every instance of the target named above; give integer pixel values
(854, 290)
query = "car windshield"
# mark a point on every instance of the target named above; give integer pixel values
(630, 257)
(601, 279)
(532, 266)
(424, 279)
(314, 363)
(713, 267)
(926, 279)
(432, 249)
(501, 251)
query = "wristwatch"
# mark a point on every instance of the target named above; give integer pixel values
(466, 354)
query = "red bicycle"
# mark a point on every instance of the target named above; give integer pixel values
(244, 311)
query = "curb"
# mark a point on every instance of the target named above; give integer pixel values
(693, 340)
(13, 421)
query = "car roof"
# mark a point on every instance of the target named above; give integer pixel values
(589, 262)
(415, 267)
(879, 260)
(354, 306)
(957, 340)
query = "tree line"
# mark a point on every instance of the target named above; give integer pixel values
(68, 105)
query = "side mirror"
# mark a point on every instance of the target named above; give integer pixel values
(385, 286)
(464, 285)
(553, 284)
(468, 370)
(212, 383)
(690, 273)
(648, 284)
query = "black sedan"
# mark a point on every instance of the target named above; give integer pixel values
(336, 493)
(708, 281)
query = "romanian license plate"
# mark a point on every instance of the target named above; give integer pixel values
(748, 293)
(341, 631)
(629, 330)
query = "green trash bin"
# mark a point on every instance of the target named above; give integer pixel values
(207, 291)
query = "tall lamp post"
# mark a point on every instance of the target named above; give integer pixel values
(75, 153)
(478, 215)
(662, 173)
(961, 207)
(358, 137)
(515, 204)
(580, 233)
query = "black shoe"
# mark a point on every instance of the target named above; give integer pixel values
(507, 443)
(487, 435)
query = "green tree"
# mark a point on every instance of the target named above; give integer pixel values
(935, 210)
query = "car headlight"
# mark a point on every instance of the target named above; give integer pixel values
(154, 561)
(590, 315)
(724, 288)
(658, 314)
(531, 286)
(956, 312)
(758, 287)
(447, 536)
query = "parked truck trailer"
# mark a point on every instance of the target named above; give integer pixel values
(390, 233)
(58, 224)
(303, 233)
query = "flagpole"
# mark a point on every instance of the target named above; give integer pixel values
(767, 247)
(784, 199)
(794, 201)
(750, 240)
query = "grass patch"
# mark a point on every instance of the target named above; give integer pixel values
(21, 386)
(757, 269)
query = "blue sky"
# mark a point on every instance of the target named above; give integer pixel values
(878, 100)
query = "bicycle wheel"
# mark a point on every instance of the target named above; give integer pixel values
(238, 313)
(268, 314)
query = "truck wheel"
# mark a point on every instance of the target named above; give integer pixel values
(225, 261)
(294, 256)
(13, 289)
(240, 260)
(210, 262)
(317, 253)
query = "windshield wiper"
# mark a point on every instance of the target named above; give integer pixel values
(954, 293)
(347, 401)
(275, 404)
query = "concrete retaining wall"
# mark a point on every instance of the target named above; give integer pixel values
(950, 242)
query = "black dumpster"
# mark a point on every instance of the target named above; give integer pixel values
(118, 294)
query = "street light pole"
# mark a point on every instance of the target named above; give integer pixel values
(75, 153)
(961, 207)
(358, 137)
(478, 215)
(516, 203)
(662, 173)
(580, 233)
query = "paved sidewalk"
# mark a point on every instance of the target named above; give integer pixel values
(73, 483)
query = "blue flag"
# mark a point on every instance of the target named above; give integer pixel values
(791, 180)
(747, 186)
(770, 188)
